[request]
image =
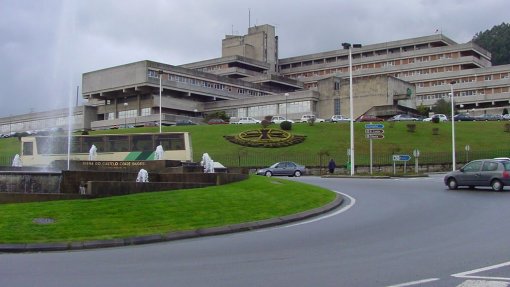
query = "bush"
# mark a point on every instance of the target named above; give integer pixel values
(435, 131)
(435, 120)
(286, 125)
(411, 128)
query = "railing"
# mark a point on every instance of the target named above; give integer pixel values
(321, 160)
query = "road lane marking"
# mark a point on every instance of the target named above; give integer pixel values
(483, 283)
(415, 282)
(352, 201)
(468, 274)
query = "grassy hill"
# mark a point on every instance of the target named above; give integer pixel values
(326, 140)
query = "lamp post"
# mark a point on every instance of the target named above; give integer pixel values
(286, 96)
(453, 126)
(351, 105)
(125, 114)
(160, 73)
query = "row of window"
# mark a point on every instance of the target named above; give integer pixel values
(128, 114)
(367, 55)
(464, 93)
(207, 84)
(40, 124)
(275, 109)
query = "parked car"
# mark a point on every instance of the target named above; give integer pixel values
(489, 117)
(307, 118)
(216, 122)
(287, 168)
(339, 118)
(185, 123)
(463, 118)
(402, 117)
(248, 120)
(440, 117)
(506, 116)
(279, 119)
(484, 172)
(368, 118)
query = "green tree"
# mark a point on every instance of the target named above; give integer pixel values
(442, 106)
(217, 115)
(423, 110)
(496, 41)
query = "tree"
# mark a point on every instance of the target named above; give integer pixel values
(496, 41)
(423, 110)
(442, 106)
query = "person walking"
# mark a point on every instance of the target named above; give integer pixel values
(331, 166)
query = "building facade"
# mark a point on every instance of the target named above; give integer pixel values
(249, 79)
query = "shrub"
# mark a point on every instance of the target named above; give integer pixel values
(286, 125)
(411, 128)
(507, 128)
(435, 131)
(435, 120)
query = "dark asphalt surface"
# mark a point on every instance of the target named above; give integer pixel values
(398, 231)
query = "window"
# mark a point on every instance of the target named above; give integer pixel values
(336, 107)
(145, 112)
(28, 148)
(473, 166)
(490, 166)
(488, 77)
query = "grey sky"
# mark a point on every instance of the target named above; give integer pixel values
(45, 46)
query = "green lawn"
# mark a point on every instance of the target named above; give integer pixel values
(486, 139)
(254, 199)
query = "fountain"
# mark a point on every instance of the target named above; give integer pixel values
(158, 155)
(93, 152)
(143, 176)
(16, 162)
(207, 163)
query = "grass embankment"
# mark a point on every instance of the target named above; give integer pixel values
(254, 199)
(332, 140)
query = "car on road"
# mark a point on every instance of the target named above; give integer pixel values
(339, 119)
(248, 120)
(287, 168)
(309, 118)
(402, 117)
(489, 117)
(439, 117)
(279, 119)
(369, 118)
(216, 122)
(463, 118)
(185, 123)
(483, 172)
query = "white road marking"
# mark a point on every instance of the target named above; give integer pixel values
(468, 274)
(343, 209)
(483, 283)
(415, 282)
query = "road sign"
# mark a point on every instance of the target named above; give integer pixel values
(374, 131)
(401, 157)
(374, 136)
(374, 126)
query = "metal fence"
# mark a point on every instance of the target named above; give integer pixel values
(321, 160)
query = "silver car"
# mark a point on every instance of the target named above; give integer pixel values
(287, 168)
(483, 172)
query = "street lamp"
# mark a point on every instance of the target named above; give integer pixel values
(351, 106)
(286, 96)
(453, 126)
(160, 73)
(125, 114)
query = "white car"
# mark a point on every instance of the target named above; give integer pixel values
(248, 120)
(279, 119)
(339, 118)
(307, 118)
(442, 118)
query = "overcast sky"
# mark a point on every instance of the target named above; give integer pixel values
(45, 46)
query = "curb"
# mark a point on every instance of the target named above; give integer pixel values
(147, 239)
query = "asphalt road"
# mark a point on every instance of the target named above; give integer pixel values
(390, 232)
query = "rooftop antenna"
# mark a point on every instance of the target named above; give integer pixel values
(249, 18)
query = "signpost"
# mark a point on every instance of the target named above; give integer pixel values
(373, 132)
(416, 154)
(401, 157)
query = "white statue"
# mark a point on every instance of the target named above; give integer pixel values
(207, 163)
(158, 155)
(17, 161)
(93, 152)
(143, 176)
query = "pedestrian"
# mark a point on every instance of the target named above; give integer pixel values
(331, 166)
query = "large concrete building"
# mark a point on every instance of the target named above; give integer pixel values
(249, 79)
